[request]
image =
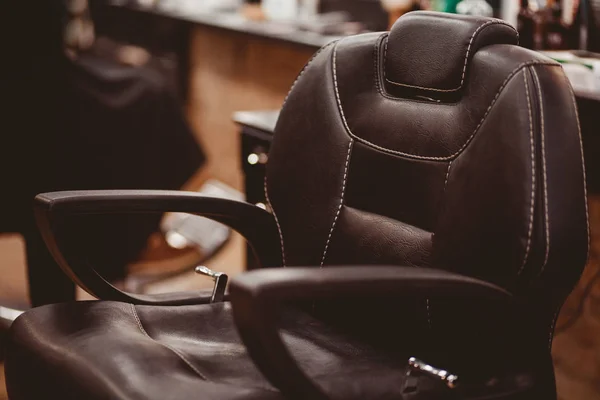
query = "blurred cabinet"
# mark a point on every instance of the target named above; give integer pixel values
(256, 133)
(233, 71)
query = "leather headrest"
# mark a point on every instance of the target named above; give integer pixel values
(431, 51)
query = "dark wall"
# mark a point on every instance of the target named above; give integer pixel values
(32, 75)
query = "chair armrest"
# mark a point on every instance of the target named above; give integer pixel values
(256, 296)
(255, 224)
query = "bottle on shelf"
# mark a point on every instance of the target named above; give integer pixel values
(541, 25)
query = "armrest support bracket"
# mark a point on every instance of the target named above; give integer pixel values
(51, 209)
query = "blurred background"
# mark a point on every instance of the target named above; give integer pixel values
(184, 95)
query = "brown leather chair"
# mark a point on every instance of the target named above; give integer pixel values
(441, 148)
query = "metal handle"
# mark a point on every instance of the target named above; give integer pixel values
(449, 379)
(220, 280)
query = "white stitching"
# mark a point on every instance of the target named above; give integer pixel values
(337, 93)
(276, 222)
(376, 76)
(337, 214)
(177, 353)
(587, 215)
(265, 181)
(464, 146)
(546, 215)
(345, 123)
(304, 69)
(447, 175)
(532, 206)
(462, 80)
(376, 63)
(576, 110)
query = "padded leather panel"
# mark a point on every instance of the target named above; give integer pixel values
(109, 350)
(494, 224)
(437, 58)
(361, 155)
(363, 237)
(309, 152)
(563, 195)
(417, 127)
(395, 187)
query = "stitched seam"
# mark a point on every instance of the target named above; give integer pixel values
(533, 184)
(345, 123)
(176, 352)
(447, 175)
(546, 216)
(376, 77)
(376, 65)
(276, 222)
(265, 182)
(587, 215)
(337, 214)
(464, 146)
(337, 93)
(462, 80)
(304, 69)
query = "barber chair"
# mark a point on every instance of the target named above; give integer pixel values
(431, 182)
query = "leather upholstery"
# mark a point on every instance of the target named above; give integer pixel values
(446, 47)
(486, 180)
(111, 350)
(488, 184)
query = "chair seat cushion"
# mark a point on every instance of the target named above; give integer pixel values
(111, 350)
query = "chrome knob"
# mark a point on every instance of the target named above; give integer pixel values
(220, 280)
(449, 379)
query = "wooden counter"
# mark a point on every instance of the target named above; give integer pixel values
(231, 71)
(576, 348)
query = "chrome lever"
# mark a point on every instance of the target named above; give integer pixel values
(449, 379)
(220, 280)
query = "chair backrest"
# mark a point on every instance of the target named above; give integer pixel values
(440, 143)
